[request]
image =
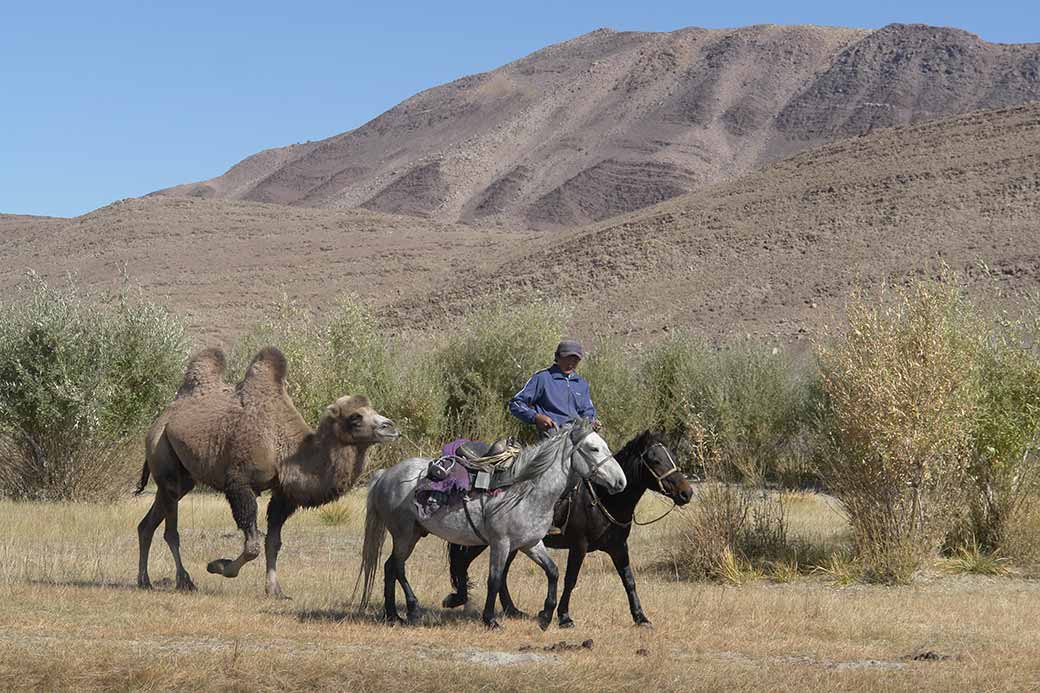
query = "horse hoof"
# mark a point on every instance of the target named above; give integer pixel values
(492, 625)
(393, 621)
(566, 622)
(453, 601)
(186, 585)
(144, 584)
(544, 620)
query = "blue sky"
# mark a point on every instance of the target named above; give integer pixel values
(107, 100)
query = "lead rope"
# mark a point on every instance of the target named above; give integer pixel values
(596, 502)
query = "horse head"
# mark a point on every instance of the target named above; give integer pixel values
(661, 473)
(592, 458)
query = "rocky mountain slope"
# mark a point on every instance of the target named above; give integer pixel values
(612, 122)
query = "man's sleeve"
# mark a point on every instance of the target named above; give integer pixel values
(588, 412)
(521, 406)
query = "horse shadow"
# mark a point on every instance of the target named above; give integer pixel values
(428, 618)
(88, 584)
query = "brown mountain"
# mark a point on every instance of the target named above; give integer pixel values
(777, 252)
(773, 253)
(612, 122)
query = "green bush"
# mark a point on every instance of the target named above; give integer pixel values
(487, 359)
(902, 389)
(81, 377)
(754, 401)
(1005, 465)
(346, 353)
(617, 391)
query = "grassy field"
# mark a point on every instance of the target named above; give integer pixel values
(72, 618)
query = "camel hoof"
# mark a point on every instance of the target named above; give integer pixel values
(515, 613)
(492, 625)
(566, 622)
(279, 595)
(544, 619)
(223, 566)
(453, 600)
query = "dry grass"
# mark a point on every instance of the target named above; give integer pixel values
(72, 618)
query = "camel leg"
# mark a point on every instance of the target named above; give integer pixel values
(278, 511)
(243, 508)
(509, 609)
(459, 559)
(496, 566)
(393, 573)
(145, 532)
(172, 536)
(575, 557)
(619, 556)
(540, 555)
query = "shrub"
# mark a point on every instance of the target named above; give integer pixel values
(1005, 468)
(619, 396)
(345, 353)
(755, 401)
(81, 377)
(487, 359)
(901, 391)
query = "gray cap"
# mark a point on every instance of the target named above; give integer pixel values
(570, 347)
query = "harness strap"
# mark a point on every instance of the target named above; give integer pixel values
(465, 509)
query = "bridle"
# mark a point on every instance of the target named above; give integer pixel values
(596, 502)
(593, 465)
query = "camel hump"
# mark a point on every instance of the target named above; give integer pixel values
(205, 373)
(266, 373)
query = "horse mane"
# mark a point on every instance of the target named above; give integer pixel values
(534, 460)
(628, 455)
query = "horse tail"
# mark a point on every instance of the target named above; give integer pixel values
(145, 472)
(375, 534)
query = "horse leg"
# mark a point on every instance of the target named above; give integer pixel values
(393, 573)
(243, 509)
(496, 566)
(459, 559)
(575, 557)
(145, 532)
(540, 555)
(509, 609)
(170, 533)
(278, 511)
(619, 555)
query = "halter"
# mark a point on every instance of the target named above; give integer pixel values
(596, 502)
(593, 467)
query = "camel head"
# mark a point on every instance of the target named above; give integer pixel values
(354, 421)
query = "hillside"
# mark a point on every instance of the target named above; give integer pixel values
(776, 253)
(612, 122)
(222, 265)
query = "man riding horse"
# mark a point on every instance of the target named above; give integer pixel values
(555, 397)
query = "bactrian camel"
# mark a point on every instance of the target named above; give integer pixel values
(247, 439)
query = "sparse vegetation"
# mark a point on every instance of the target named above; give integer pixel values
(81, 376)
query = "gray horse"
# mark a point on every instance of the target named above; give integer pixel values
(516, 519)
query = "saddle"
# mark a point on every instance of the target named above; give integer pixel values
(488, 466)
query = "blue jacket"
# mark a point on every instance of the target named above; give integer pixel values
(561, 397)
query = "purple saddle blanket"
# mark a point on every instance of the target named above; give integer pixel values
(432, 495)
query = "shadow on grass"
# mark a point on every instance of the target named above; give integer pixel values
(90, 584)
(428, 618)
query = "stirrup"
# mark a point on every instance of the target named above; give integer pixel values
(554, 532)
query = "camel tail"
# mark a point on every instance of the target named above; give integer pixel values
(145, 472)
(372, 548)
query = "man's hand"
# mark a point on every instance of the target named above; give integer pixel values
(597, 424)
(543, 422)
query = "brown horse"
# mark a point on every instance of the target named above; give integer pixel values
(597, 522)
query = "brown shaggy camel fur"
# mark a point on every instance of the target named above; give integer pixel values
(247, 439)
